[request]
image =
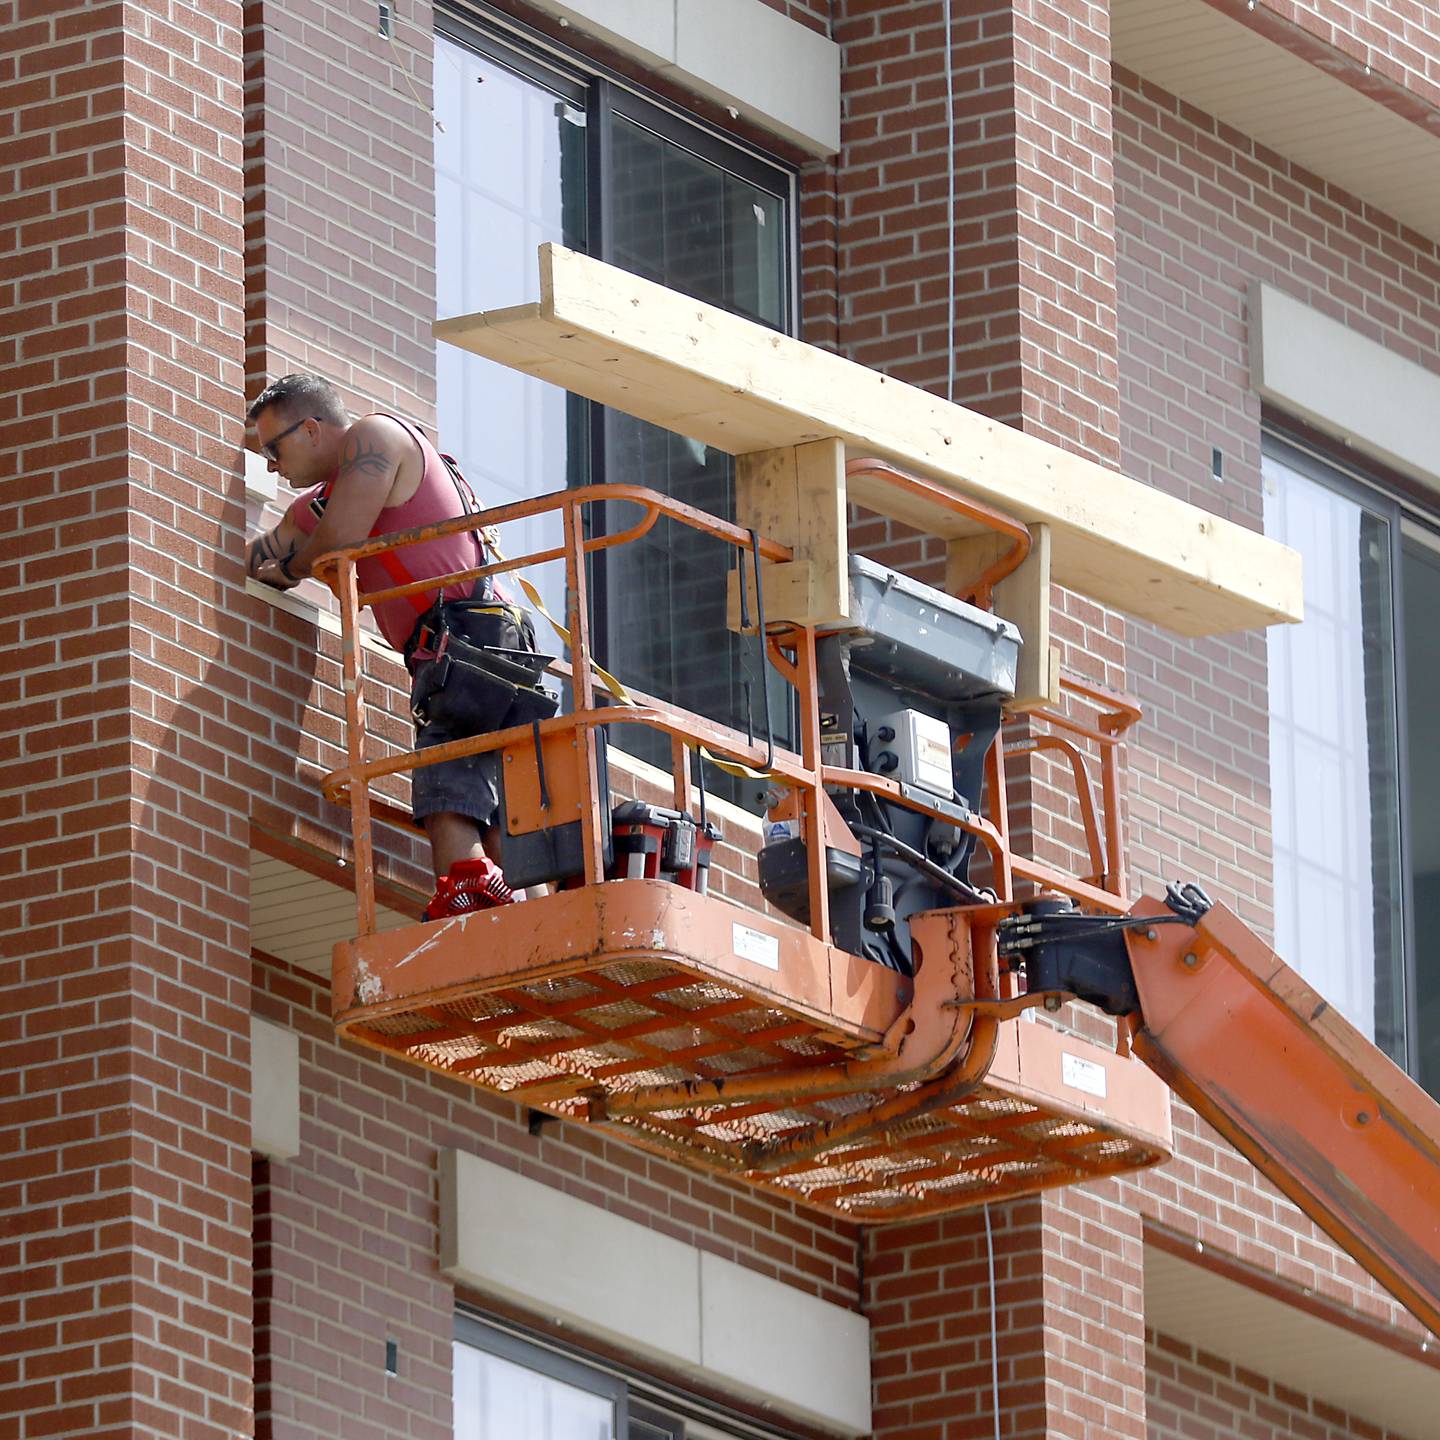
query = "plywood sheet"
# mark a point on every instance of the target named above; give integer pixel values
(728, 382)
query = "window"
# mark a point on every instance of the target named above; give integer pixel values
(1355, 755)
(498, 1396)
(506, 1384)
(534, 149)
(1420, 665)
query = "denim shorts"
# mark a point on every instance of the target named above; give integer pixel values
(467, 786)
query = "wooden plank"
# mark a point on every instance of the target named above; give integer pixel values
(728, 382)
(1022, 598)
(796, 495)
(790, 594)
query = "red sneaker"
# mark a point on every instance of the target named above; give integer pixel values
(471, 885)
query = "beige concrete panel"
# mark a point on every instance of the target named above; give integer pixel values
(1345, 384)
(774, 70)
(617, 1281)
(559, 1257)
(773, 1339)
(742, 54)
(274, 1090)
(641, 29)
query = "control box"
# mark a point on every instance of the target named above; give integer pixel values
(913, 748)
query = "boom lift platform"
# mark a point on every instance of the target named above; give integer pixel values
(810, 1054)
(861, 1043)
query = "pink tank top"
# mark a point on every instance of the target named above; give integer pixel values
(436, 498)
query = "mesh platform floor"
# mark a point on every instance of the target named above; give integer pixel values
(555, 1041)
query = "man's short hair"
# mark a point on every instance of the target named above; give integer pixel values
(306, 395)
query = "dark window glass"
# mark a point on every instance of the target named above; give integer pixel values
(687, 223)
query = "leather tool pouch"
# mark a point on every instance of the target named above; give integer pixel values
(476, 669)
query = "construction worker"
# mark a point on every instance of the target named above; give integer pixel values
(374, 476)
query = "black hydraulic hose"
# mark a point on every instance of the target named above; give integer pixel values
(1025, 932)
(700, 785)
(764, 662)
(901, 961)
(878, 815)
(937, 873)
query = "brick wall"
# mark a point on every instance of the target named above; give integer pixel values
(1197, 1396)
(1033, 239)
(340, 234)
(340, 279)
(1062, 1333)
(126, 1258)
(159, 709)
(1035, 334)
(928, 1299)
(1203, 211)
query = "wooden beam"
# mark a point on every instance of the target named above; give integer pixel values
(728, 382)
(1023, 598)
(796, 495)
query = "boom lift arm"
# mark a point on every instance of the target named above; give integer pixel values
(1240, 1037)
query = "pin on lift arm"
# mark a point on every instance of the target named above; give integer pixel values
(1240, 1037)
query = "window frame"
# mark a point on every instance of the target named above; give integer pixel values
(472, 1331)
(605, 96)
(637, 1396)
(603, 91)
(1405, 519)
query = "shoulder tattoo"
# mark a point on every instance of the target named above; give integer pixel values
(362, 457)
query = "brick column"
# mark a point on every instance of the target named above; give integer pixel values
(125, 1260)
(1093, 1266)
(932, 1317)
(1032, 148)
(1035, 333)
(1060, 1342)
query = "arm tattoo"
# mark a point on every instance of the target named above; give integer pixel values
(369, 461)
(262, 548)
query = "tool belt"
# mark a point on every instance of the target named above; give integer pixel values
(475, 668)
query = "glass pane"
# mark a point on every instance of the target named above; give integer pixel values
(1334, 782)
(686, 223)
(1420, 580)
(510, 174)
(496, 1397)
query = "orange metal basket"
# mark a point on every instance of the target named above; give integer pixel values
(735, 1041)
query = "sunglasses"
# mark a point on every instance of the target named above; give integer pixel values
(272, 447)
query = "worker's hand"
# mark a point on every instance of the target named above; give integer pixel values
(266, 546)
(268, 572)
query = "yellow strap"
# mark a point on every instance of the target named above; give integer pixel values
(730, 767)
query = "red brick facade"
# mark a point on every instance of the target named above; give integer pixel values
(204, 196)
(1195, 1396)
(126, 1195)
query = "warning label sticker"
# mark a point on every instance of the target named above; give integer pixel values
(755, 946)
